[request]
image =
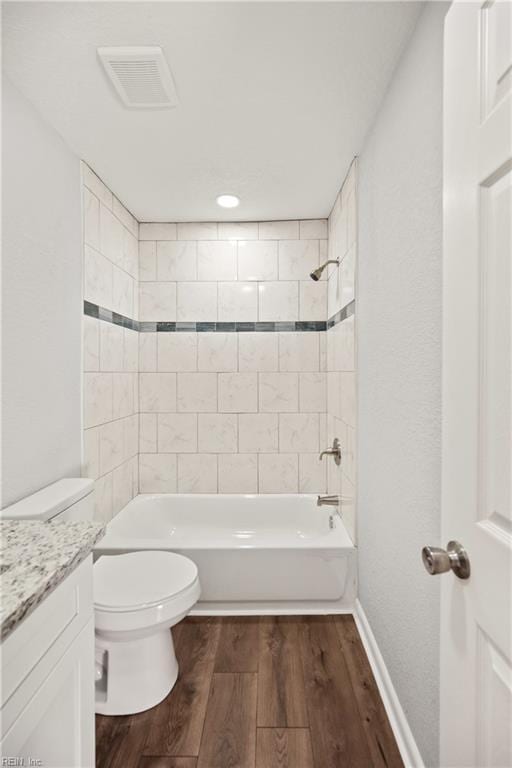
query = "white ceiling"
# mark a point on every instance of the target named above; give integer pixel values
(274, 98)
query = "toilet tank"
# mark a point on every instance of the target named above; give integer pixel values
(67, 499)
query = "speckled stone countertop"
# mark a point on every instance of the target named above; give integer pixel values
(34, 558)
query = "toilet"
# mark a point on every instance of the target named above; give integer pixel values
(138, 597)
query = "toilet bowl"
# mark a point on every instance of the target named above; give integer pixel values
(138, 597)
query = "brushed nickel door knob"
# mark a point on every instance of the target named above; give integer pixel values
(453, 558)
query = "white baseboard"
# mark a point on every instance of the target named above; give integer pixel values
(398, 721)
(272, 608)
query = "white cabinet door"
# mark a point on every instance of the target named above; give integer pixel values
(476, 617)
(55, 729)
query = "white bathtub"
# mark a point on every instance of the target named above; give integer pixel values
(266, 553)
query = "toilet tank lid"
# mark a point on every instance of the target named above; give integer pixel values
(49, 501)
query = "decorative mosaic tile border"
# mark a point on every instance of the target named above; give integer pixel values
(142, 326)
(347, 311)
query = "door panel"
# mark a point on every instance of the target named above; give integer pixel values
(494, 704)
(476, 615)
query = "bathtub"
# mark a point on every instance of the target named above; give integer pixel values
(255, 553)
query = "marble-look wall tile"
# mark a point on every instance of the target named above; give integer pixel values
(278, 301)
(111, 447)
(125, 217)
(238, 302)
(258, 352)
(147, 261)
(229, 383)
(217, 352)
(299, 352)
(217, 433)
(157, 392)
(103, 498)
(177, 351)
(111, 341)
(148, 352)
(258, 433)
(197, 473)
(297, 259)
(177, 433)
(238, 473)
(157, 231)
(157, 473)
(157, 301)
(97, 398)
(176, 261)
(348, 397)
(217, 260)
(218, 396)
(238, 230)
(313, 300)
(111, 236)
(123, 395)
(111, 352)
(278, 392)
(313, 229)
(148, 441)
(341, 359)
(278, 230)
(196, 302)
(257, 260)
(278, 473)
(131, 436)
(91, 219)
(130, 254)
(238, 392)
(312, 392)
(131, 351)
(121, 487)
(91, 336)
(312, 473)
(91, 458)
(298, 432)
(97, 278)
(198, 231)
(197, 392)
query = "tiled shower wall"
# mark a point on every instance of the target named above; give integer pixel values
(341, 347)
(232, 408)
(110, 351)
(225, 380)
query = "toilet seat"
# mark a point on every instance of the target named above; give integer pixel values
(142, 590)
(140, 579)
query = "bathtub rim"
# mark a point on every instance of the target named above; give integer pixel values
(336, 540)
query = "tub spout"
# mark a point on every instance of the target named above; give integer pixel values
(330, 501)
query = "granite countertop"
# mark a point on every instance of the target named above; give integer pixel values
(34, 558)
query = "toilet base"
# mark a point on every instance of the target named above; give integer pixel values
(133, 675)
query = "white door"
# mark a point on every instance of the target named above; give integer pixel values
(476, 615)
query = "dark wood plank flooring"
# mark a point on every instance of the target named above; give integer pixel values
(260, 692)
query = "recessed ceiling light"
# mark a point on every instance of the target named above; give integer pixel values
(228, 201)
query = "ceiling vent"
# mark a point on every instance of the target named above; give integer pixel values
(140, 75)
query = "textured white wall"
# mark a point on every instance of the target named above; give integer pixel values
(399, 359)
(41, 302)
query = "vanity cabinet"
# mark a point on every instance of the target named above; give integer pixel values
(47, 713)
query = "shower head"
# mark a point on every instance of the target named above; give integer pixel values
(317, 273)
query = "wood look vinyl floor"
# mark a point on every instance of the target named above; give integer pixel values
(259, 692)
